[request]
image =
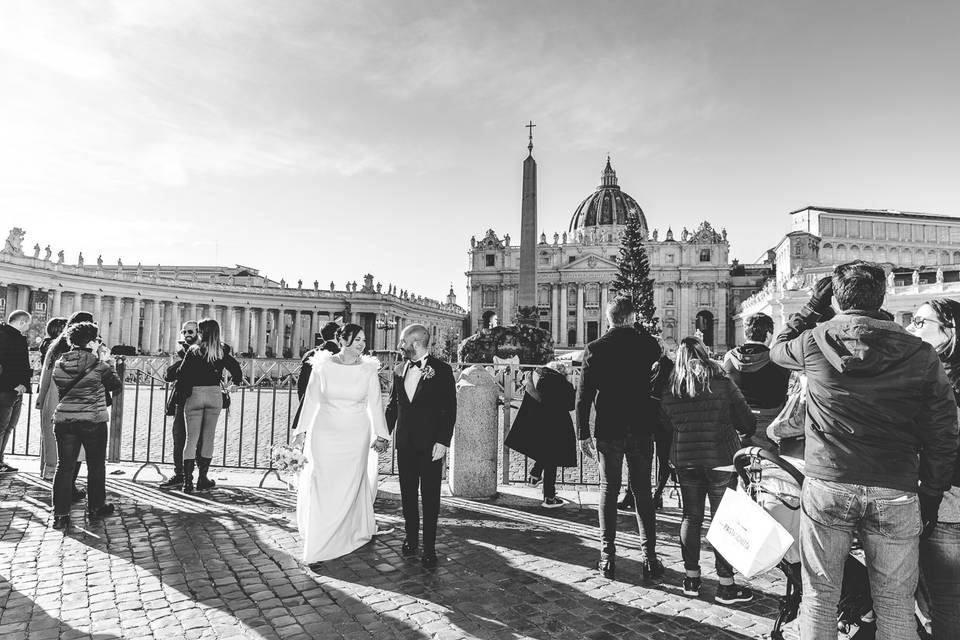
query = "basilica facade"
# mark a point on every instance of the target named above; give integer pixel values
(576, 269)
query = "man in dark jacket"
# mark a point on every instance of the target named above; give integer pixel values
(188, 336)
(15, 374)
(616, 378)
(329, 335)
(877, 397)
(763, 383)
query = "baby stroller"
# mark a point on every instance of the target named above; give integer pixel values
(774, 482)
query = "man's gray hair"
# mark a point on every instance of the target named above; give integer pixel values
(421, 330)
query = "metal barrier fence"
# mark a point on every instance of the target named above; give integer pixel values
(261, 415)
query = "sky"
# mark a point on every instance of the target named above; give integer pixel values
(324, 140)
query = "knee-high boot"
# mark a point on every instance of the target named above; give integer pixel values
(188, 476)
(204, 482)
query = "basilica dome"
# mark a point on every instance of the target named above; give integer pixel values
(608, 205)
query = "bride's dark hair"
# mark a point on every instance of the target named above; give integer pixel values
(348, 333)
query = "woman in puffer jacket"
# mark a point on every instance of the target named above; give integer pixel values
(705, 411)
(82, 375)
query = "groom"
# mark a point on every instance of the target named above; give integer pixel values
(423, 408)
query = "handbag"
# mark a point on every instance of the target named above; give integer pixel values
(790, 421)
(747, 537)
(225, 397)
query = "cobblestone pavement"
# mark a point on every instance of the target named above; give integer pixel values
(224, 565)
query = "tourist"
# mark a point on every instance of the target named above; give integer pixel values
(199, 389)
(422, 410)
(705, 412)
(876, 396)
(15, 375)
(329, 335)
(189, 333)
(343, 413)
(616, 377)
(81, 375)
(935, 322)
(763, 383)
(543, 429)
(54, 328)
(47, 399)
(49, 392)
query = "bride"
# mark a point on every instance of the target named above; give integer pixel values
(343, 413)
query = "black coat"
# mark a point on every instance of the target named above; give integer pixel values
(616, 373)
(14, 359)
(543, 429)
(429, 417)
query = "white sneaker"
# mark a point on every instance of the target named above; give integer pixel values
(552, 503)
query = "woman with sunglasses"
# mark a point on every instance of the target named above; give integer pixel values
(935, 322)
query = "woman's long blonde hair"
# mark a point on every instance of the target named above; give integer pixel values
(208, 344)
(693, 370)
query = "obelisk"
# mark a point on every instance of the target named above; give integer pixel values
(527, 312)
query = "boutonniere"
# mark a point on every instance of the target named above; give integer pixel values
(428, 372)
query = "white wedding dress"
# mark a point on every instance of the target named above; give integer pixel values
(342, 411)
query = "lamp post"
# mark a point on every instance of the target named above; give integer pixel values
(386, 323)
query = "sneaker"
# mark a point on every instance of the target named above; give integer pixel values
(691, 586)
(4, 467)
(533, 480)
(552, 503)
(731, 594)
(626, 504)
(102, 511)
(652, 568)
(173, 483)
(61, 522)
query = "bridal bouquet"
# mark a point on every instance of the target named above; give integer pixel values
(288, 460)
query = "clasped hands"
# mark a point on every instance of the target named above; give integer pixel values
(380, 445)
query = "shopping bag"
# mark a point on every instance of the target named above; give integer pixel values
(748, 537)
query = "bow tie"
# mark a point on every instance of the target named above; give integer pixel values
(414, 363)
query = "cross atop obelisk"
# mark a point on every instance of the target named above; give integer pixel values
(527, 311)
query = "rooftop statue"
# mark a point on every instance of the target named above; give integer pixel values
(47, 253)
(36, 250)
(60, 257)
(14, 244)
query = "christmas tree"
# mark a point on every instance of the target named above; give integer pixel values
(633, 277)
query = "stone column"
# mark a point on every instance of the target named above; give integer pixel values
(261, 334)
(563, 314)
(97, 309)
(312, 327)
(23, 299)
(55, 304)
(134, 323)
(116, 320)
(11, 301)
(154, 344)
(555, 314)
(279, 329)
(473, 450)
(580, 335)
(189, 313)
(297, 336)
(244, 330)
(604, 299)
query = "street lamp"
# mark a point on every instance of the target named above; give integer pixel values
(386, 323)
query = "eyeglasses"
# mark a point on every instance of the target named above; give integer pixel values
(918, 321)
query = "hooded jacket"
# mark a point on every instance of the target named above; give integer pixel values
(86, 401)
(880, 410)
(764, 384)
(14, 359)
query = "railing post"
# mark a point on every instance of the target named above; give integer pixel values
(116, 416)
(507, 407)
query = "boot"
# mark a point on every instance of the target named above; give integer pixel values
(188, 476)
(203, 482)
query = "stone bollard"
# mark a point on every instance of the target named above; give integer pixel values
(473, 452)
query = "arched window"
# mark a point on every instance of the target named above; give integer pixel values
(826, 253)
(906, 257)
(931, 257)
(919, 258)
(572, 297)
(841, 253)
(944, 257)
(592, 296)
(867, 253)
(956, 257)
(854, 252)
(668, 297)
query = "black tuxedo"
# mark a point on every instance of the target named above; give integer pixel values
(420, 422)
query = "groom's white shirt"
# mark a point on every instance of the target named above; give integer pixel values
(411, 378)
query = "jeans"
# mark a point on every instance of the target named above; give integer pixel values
(549, 474)
(10, 404)
(179, 440)
(638, 452)
(940, 567)
(887, 523)
(697, 485)
(92, 436)
(201, 412)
